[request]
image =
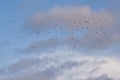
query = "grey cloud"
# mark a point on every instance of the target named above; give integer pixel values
(23, 65)
(98, 29)
(71, 64)
(40, 46)
(1, 78)
(92, 42)
(67, 16)
(45, 75)
(103, 77)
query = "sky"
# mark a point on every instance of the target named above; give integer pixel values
(59, 40)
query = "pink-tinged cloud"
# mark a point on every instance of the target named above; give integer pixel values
(99, 29)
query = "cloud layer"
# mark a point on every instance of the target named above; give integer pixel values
(64, 65)
(69, 17)
(65, 40)
(77, 27)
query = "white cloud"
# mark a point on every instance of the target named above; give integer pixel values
(67, 65)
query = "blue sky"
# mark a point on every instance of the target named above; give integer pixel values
(36, 28)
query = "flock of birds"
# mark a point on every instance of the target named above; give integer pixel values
(86, 30)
